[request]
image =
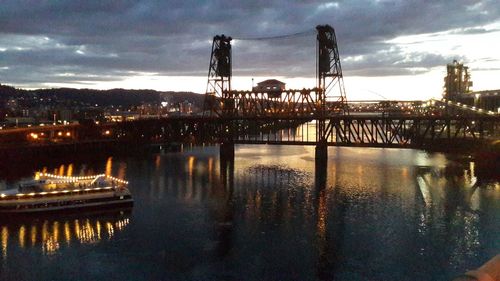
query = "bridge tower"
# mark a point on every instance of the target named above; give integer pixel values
(217, 100)
(330, 81)
(330, 84)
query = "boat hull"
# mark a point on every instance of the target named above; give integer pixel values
(4, 210)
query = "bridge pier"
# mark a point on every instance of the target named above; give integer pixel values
(321, 152)
(320, 165)
(320, 171)
(226, 151)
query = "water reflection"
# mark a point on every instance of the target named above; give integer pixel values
(367, 214)
(51, 233)
(452, 195)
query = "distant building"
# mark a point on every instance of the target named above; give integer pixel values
(19, 121)
(25, 112)
(66, 115)
(119, 116)
(185, 108)
(457, 88)
(12, 104)
(270, 85)
(457, 81)
(487, 100)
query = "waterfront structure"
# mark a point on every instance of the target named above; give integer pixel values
(457, 81)
(457, 89)
(487, 100)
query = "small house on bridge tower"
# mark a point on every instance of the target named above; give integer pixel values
(271, 85)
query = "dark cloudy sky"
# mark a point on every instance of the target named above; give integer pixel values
(387, 47)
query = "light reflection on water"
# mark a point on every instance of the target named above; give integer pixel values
(378, 214)
(50, 233)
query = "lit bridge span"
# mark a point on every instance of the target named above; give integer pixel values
(349, 130)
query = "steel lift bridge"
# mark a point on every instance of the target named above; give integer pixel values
(251, 111)
(262, 116)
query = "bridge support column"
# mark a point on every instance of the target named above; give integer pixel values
(321, 151)
(320, 164)
(320, 171)
(226, 151)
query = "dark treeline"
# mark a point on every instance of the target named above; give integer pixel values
(116, 97)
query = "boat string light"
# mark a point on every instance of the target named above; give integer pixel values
(70, 180)
(58, 192)
(73, 179)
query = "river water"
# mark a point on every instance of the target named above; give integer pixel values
(379, 214)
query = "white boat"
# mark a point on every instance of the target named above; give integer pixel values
(50, 193)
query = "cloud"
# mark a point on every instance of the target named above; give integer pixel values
(40, 40)
(394, 61)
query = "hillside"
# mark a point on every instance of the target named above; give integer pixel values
(115, 97)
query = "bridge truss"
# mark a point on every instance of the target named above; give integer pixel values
(415, 132)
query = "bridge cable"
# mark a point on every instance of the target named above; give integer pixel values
(297, 34)
(373, 92)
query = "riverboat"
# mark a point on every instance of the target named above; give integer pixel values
(52, 193)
